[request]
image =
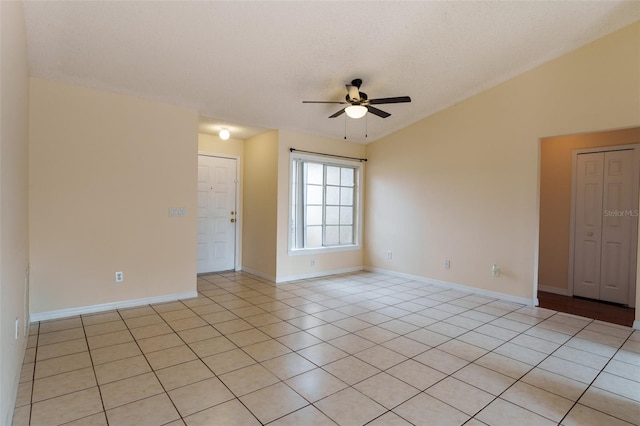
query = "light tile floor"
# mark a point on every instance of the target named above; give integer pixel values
(353, 349)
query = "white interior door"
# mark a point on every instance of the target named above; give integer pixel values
(619, 206)
(605, 226)
(588, 225)
(217, 214)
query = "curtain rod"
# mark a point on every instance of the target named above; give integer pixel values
(328, 155)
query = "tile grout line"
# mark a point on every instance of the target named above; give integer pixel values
(154, 370)
(204, 363)
(594, 380)
(330, 291)
(574, 403)
(490, 351)
(260, 363)
(400, 335)
(530, 370)
(450, 375)
(318, 367)
(93, 368)
(450, 339)
(33, 375)
(520, 333)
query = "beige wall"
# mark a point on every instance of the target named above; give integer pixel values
(295, 266)
(463, 184)
(259, 204)
(215, 145)
(14, 239)
(556, 156)
(266, 207)
(104, 171)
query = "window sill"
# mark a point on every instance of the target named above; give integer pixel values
(320, 250)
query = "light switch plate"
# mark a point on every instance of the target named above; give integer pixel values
(177, 212)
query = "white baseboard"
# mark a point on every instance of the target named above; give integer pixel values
(636, 325)
(317, 274)
(258, 274)
(475, 290)
(62, 313)
(554, 290)
(288, 278)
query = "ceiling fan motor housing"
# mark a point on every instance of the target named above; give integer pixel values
(362, 97)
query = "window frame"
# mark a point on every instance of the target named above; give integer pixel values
(358, 167)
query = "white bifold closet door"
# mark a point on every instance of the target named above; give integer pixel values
(605, 211)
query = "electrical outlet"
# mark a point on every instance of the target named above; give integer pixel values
(447, 264)
(313, 263)
(119, 277)
(389, 255)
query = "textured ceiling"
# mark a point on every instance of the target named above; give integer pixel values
(253, 63)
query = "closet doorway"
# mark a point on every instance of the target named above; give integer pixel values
(558, 231)
(605, 224)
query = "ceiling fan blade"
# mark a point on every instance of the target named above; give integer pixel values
(394, 100)
(324, 102)
(337, 114)
(378, 112)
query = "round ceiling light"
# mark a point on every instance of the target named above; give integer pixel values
(224, 134)
(356, 111)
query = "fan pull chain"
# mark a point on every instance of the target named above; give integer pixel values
(366, 125)
(345, 127)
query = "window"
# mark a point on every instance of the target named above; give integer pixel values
(324, 203)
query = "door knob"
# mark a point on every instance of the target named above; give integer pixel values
(233, 220)
(590, 234)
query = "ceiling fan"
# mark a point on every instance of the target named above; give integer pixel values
(359, 103)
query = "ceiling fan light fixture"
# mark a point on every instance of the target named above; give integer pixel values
(356, 111)
(224, 134)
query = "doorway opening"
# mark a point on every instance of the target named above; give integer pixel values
(557, 265)
(604, 224)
